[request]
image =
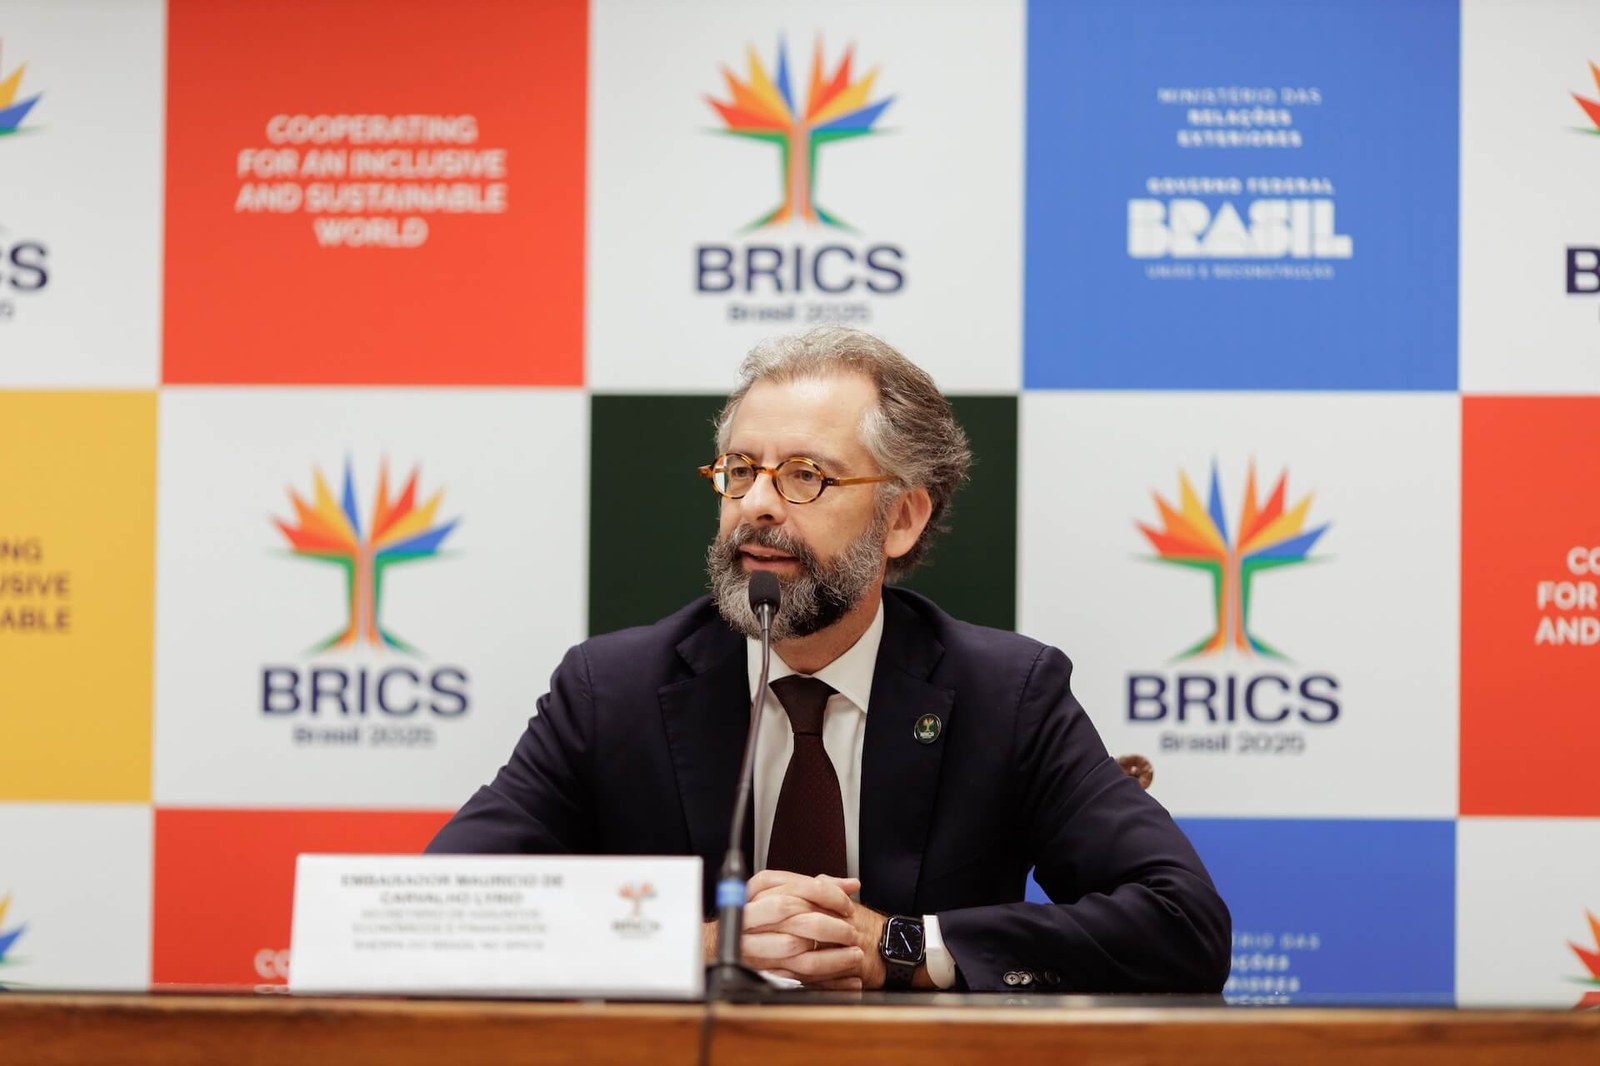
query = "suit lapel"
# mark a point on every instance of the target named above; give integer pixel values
(706, 719)
(899, 775)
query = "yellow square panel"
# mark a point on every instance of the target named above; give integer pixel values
(77, 573)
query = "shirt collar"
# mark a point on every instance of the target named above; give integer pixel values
(850, 675)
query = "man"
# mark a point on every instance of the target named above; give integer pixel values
(911, 769)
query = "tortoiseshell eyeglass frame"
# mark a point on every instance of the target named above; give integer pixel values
(715, 471)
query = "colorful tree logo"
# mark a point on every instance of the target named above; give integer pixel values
(398, 532)
(637, 894)
(1267, 536)
(1591, 107)
(1590, 959)
(12, 110)
(8, 937)
(764, 108)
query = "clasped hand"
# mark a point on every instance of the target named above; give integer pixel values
(811, 930)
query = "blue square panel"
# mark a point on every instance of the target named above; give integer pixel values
(1358, 911)
(1242, 194)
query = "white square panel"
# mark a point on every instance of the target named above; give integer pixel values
(75, 882)
(1530, 159)
(1337, 697)
(80, 194)
(1527, 905)
(433, 675)
(927, 191)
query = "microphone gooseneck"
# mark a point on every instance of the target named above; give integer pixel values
(727, 974)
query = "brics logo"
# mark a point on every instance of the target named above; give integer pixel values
(636, 925)
(1591, 108)
(24, 263)
(334, 531)
(764, 108)
(1591, 961)
(12, 110)
(1267, 535)
(767, 106)
(1583, 261)
(399, 531)
(8, 937)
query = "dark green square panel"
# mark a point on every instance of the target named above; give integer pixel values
(651, 516)
(972, 570)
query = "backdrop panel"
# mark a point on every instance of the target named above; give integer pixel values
(362, 613)
(1361, 910)
(1530, 223)
(75, 896)
(396, 197)
(1238, 195)
(1529, 913)
(1260, 591)
(77, 551)
(80, 193)
(800, 162)
(1530, 591)
(645, 451)
(225, 883)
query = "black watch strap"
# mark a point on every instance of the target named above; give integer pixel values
(897, 975)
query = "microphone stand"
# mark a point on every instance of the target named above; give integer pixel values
(728, 978)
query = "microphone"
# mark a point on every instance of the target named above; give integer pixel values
(727, 973)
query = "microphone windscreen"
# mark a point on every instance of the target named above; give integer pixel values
(764, 590)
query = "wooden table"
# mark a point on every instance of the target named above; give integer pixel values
(175, 1030)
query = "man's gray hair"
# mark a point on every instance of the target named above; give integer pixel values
(911, 431)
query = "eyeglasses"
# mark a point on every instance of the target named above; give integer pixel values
(798, 479)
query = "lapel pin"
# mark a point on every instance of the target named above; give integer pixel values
(927, 729)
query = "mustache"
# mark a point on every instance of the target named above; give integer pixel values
(769, 537)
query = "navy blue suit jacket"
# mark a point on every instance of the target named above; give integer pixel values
(636, 750)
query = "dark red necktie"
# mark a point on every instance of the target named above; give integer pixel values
(808, 825)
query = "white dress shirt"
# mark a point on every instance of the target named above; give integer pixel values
(844, 728)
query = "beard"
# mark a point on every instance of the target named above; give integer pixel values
(816, 598)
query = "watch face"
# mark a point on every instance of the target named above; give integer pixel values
(902, 940)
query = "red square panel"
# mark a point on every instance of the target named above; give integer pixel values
(1530, 625)
(375, 192)
(224, 883)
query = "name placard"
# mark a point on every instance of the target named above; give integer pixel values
(614, 926)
